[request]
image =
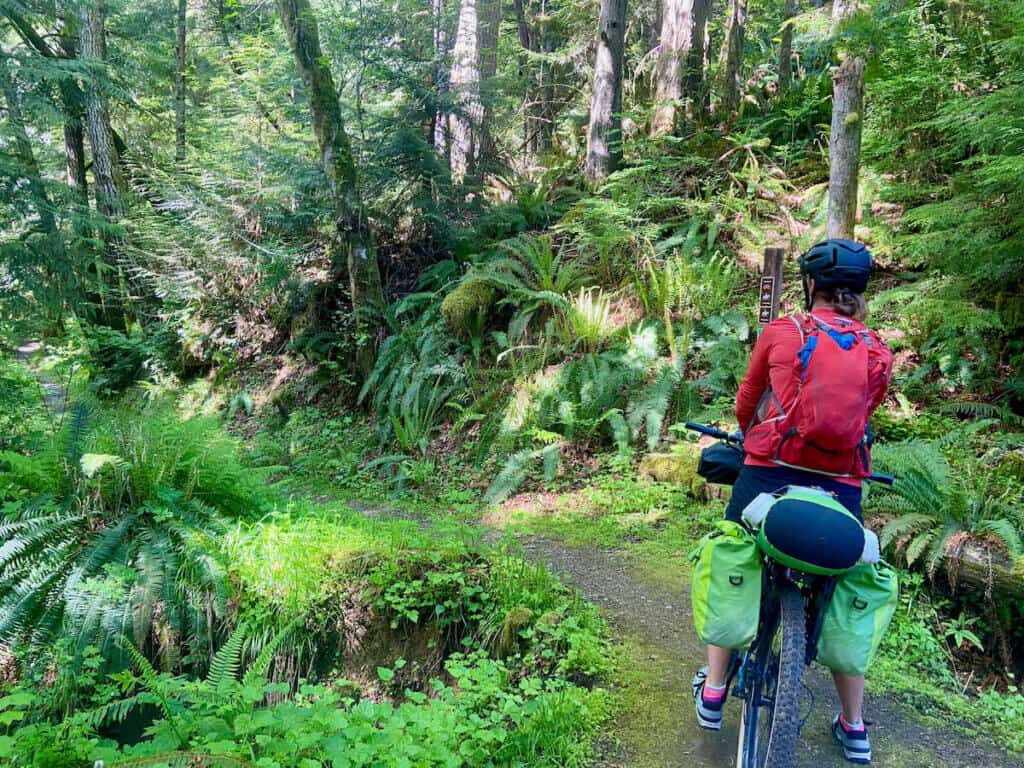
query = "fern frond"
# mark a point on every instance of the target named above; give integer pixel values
(226, 662)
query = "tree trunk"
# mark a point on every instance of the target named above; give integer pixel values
(843, 8)
(474, 59)
(786, 48)
(539, 105)
(678, 33)
(984, 570)
(439, 131)
(731, 59)
(179, 88)
(844, 141)
(693, 78)
(106, 168)
(74, 111)
(23, 153)
(604, 137)
(354, 251)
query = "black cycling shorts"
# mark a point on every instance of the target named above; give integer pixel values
(755, 480)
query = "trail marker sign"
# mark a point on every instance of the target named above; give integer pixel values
(771, 286)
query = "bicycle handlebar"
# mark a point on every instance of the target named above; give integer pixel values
(720, 434)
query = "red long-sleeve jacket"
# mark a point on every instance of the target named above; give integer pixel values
(774, 364)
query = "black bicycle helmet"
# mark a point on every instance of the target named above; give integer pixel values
(836, 263)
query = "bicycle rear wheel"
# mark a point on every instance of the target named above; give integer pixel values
(770, 721)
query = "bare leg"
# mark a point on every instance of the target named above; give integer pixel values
(718, 665)
(851, 694)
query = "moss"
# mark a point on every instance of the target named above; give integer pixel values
(515, 620)
(1012, 464)
(468, 301)
(678, 468)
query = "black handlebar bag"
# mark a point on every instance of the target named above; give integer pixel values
(720, 463)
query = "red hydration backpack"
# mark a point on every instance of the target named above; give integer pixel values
(824, 429)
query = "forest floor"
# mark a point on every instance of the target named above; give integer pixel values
(658, 651)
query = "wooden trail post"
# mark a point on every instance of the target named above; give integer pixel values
(771, 286)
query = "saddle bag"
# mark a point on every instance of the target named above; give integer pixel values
(861, 608)
(725, 590)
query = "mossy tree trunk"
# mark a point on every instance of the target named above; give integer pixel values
(604, 136)
(731, 60)
(179, 86)
(786, 48)
(354, 250)
(844, 140)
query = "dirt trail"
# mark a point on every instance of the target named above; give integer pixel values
(658, 729)
(653, 627)
(54, 394)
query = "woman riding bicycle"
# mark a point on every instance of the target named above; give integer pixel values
(835, 275)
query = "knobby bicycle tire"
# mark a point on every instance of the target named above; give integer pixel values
(783, 729)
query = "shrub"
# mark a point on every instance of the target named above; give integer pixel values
(110, 532)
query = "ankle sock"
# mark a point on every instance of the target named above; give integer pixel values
(713, 693)
(848, 726)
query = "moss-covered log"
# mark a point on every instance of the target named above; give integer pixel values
(990, 572)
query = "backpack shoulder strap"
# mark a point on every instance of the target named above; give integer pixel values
(804, 325)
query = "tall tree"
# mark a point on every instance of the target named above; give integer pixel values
(537, 41)
(786, 48)
(731, 59)
(439, 129)
(179, 86)
(844, 140)
(354, 249)
(679, 33)
(72, 98)
(604, 137)
(106, 167)
(474, 60)
(74, 110)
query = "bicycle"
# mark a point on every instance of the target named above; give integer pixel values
(767, 676)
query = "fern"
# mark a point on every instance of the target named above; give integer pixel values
(119, 556)
(929, 507)
(226, 662)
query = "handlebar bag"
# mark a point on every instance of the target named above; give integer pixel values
(856, 618)
(809, 530)
(725, 591)
(720, 463)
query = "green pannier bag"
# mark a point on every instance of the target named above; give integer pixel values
(855, 621)
(726, 588)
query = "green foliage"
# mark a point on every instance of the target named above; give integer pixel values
(534, 274)
(589, 319)
(929, 507)
(111, 532)
(23, 417)
(417, 373)
(465, 307)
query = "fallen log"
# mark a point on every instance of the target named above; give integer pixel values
(981, 568)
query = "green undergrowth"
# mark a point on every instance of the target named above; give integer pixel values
(196, 611)
(325, 599)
